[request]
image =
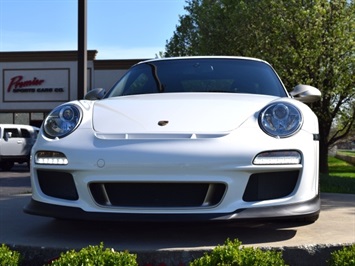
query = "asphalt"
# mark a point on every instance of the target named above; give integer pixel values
(40, 239)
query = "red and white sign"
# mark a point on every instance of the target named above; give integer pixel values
(36, 85)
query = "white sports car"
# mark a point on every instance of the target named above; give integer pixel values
(192, 138)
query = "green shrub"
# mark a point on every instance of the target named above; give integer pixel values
(96, 256)
(232, 254)
(8, 257)
(343, 257)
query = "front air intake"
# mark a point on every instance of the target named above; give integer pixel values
(267, 186)
(57, 184)
(157, 195)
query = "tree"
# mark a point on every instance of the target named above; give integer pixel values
(307, 42)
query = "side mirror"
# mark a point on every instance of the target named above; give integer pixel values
(306, 93)
(95, 94)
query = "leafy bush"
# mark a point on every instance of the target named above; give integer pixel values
(232, 254)
(343, 257)
(229, 254)
(96, 256)
(8, 257)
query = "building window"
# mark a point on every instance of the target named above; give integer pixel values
(6, 118)
(22, 118)
(36, 119)
(33, 119)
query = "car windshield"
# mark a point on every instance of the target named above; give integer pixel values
(200, 75)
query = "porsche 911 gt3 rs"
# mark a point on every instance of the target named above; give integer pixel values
(191, 138)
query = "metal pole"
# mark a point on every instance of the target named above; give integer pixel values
(82, 49)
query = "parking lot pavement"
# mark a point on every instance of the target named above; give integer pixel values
(40, 238)
(14, 182)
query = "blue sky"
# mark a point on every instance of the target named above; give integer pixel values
(117, 29)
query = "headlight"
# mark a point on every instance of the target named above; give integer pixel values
(62, 121)
(280, 120)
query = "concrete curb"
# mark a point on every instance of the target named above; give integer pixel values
(346, 158)
(293, 256)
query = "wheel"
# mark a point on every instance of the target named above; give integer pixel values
(6, 166)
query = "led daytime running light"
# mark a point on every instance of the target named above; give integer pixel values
(51, 157)
(277, 158)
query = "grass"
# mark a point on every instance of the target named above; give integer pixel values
(341, 177)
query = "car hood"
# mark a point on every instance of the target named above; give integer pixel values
(193, 113)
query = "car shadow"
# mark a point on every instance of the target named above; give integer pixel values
(157, 236)
(17, 168)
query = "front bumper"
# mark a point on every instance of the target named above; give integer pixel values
(175, 179)
(304, 210)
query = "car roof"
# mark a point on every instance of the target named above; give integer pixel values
(203, 57)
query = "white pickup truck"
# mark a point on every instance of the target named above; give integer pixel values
(16, 142)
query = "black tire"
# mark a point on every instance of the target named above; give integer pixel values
(6, 166)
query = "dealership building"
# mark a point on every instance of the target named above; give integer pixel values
(33, 83)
